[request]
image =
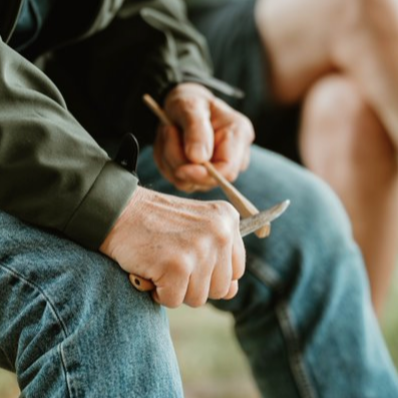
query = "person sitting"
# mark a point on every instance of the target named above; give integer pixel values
(320, 84)
(75, 220)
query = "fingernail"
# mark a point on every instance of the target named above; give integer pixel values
(197, 152)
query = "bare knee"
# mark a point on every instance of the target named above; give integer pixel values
(361, 30)
(339, 126)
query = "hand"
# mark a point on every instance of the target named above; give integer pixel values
(207, 129)
(191, 250)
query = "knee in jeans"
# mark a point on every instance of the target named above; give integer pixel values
(323, 232)
(319, 214)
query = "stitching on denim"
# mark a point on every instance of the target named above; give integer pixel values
(48, 301)
(263, 271)
(268, 276)
(295, 353)
(63, 361)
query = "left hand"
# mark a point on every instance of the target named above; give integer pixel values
(207, 129)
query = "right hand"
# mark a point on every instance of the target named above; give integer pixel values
(191, 250)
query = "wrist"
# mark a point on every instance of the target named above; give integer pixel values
(133, 207)
(184, 89)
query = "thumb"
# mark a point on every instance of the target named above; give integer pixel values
(198, 134)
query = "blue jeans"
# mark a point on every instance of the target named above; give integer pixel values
(72, 326)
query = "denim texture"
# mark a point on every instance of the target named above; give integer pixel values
(72, 326)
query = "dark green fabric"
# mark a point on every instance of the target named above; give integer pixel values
(32, 17)
(52, 172)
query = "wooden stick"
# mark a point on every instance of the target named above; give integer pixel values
(240, 202)
(243, 205)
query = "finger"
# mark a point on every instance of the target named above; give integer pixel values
(173, 150)
(155, 297)
(238, 257)
(165, 168)
(246, 161)
(173, 157)
(198, 290)
(193, 116)
(229, 153)
(221, 279)
(171, 289)
(233, 137)
(233, 290)
(196, 174)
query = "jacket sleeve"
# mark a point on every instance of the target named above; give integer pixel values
(141, 47)
(180, 54)
(52, 173)
(175, 52)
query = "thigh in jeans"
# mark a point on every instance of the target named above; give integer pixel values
(303, 313)
(71, 325)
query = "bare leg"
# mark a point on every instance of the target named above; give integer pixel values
(309, 38)
(297, 41)
(342, 141)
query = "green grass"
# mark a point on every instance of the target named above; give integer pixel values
(390, 321)
(8, 386)
(211, 363)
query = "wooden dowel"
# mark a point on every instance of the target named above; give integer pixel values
(240, 202)
(243, 205)
(141, 284)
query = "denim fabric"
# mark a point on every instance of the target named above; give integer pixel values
(72, 326)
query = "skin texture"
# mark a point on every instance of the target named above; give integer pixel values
(207, 129)
(340, 59)
(343, 140)
(190, 250)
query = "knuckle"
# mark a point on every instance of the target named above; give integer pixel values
(223, 208)
(201, 245)
(196, 302)
(170, 296)
(178, 266)
(172, 303)
(223, 235)
(223, 221)
(218, 293)
(233, 291)
(184, 186)
(246, 126)
(231, 175)
(191, 103)
(240, 272)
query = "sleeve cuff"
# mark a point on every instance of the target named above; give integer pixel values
(101, 207)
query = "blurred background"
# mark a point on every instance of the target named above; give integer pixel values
(211, 363)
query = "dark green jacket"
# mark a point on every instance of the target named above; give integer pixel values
(52, 172)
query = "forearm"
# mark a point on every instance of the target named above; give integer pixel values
(52, 173)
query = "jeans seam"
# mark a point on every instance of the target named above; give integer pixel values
(295, 355)
(53, 311)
